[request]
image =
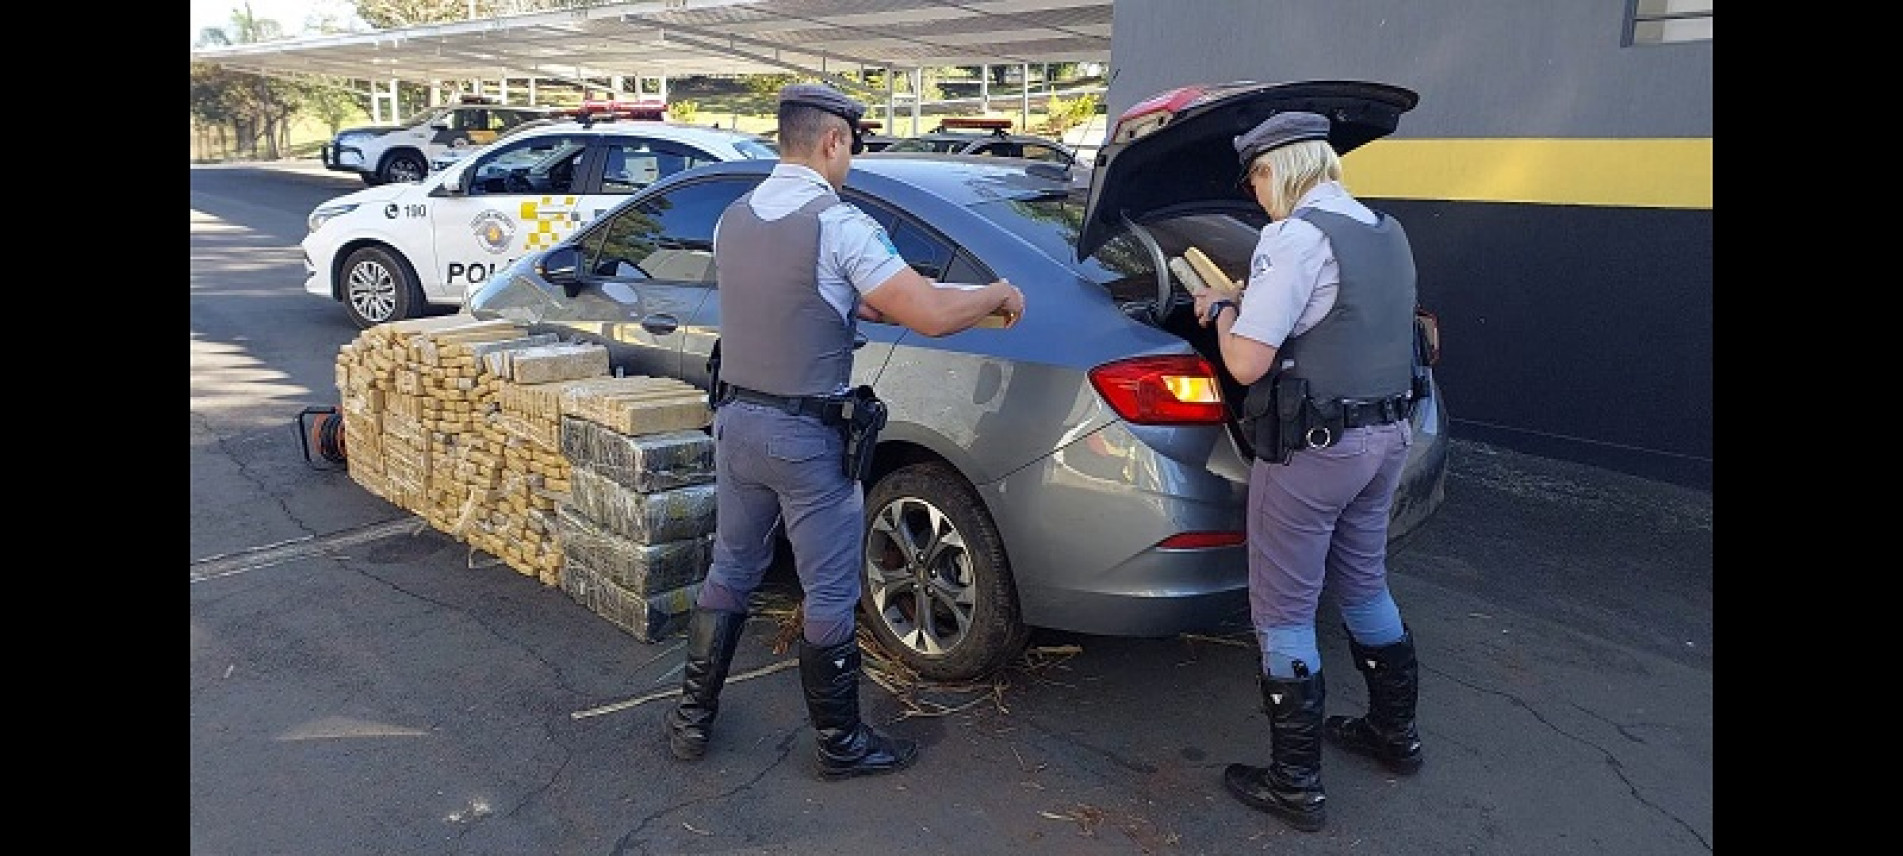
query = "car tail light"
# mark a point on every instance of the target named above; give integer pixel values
(1430, 326)
(1202, 540)
(1179, 389)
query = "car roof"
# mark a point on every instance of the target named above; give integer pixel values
(681, 131)
(962, 180)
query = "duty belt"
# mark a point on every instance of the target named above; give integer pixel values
(824, 408)
(1380, 411)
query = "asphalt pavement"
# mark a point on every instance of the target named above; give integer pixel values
(364, 684)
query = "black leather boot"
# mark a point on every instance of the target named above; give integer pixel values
(1290, 787)
(1387, 733)
(846, 746)
(711, 637)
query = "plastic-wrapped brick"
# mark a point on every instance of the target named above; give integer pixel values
(668, 515)
(649, 619)
(641, 569)
(640, 462)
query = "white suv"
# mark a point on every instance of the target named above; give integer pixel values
(394, 251)
(383, 154)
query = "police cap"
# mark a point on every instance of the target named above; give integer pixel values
(1277, 131)
(825, 98)
(832, 101)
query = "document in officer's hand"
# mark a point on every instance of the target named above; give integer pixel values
(997, 320)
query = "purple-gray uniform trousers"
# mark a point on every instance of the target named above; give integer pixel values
(1323, 512)
(770, 465)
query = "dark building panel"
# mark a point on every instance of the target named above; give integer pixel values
(1484, 68)
(1577, 324)
(1590, 340)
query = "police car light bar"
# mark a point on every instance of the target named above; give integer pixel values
(974, 123)
(629, 109)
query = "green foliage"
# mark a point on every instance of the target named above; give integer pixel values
(1066, 113)
(333, 103)
(767, 85)
(683, 111)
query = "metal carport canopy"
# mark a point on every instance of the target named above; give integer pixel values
(675, 38)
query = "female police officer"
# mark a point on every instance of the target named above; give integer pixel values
(1329, 308)
(796, 269)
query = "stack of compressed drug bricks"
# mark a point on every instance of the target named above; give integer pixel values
(515, 442)
(438, 438)
(637, 528)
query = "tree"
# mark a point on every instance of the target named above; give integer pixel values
(254, 107)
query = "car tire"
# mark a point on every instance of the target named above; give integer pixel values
(403, 168)
(370, 178)
(378, 286)
(937, 589)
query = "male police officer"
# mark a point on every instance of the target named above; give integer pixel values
(797, 269)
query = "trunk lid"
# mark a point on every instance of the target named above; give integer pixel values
(1176, 147)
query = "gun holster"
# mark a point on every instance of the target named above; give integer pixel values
(715, 395)
(862, 416)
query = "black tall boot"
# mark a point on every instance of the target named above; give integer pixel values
(1290, 787)
(1387, 733)
(711, 637)
(846, 745)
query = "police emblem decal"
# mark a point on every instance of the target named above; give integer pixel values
(494, 231)
(390, 210)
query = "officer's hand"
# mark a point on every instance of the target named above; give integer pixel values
(1013, 306)
(1203, 299)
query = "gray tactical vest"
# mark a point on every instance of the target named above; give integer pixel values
(777, 334)
(1364, 347)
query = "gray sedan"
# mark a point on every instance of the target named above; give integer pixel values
(1082, 470)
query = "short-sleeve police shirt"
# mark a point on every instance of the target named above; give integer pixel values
(1293, 275)
(855, 254)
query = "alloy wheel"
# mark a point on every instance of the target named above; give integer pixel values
(371, 290)
(919, 576)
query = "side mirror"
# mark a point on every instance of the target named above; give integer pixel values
(562, 266)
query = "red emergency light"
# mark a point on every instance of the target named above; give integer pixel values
(975, 123)
(651, 110)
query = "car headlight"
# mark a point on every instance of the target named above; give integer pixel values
(323, 214)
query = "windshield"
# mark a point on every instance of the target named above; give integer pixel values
(426, 116)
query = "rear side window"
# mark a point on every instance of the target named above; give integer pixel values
(635, 164)
(1051, 224)
(669, 236)
(920, 247)
(1035, 151)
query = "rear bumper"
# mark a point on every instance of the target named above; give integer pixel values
(1210, 594)
(1082, 529)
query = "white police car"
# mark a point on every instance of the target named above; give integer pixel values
(385, 154)
(392, 251)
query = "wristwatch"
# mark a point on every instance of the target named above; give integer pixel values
(1215, 309)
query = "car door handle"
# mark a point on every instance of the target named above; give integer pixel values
(660, 323)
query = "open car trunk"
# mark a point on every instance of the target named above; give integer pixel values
(1226, 235)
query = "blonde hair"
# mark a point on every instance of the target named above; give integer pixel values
(1295, 168)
